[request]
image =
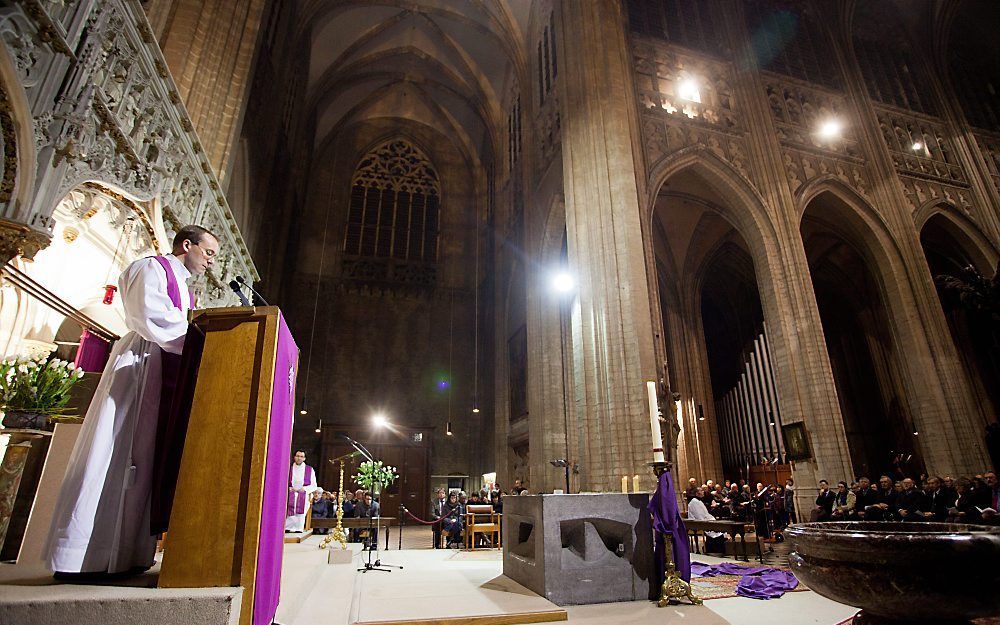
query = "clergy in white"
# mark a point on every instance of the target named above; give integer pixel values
(301, 484)
(102, 518)
(698, 512)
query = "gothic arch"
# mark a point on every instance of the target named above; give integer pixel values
(966, 232)
(865, 226)
(752, 221)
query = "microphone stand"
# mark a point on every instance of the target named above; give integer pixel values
(369, 566)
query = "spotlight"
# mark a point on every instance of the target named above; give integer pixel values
(701, 412)
(916, 433)
(830, 129)
(319, 427)
(475, 410)
(687, 89)
(380, 421)
(303, 411)
(448, 429)
(917, 146)
(563, 282)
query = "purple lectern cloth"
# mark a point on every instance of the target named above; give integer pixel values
(667, 520)
(279, 442)
(756, 582)
(93, 353)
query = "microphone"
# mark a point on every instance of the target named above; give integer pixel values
(235, 286)
(252, 290)
(358, 446)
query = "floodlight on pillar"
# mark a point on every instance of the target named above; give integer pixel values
(830, 129)
(687, 89)
(562, 282)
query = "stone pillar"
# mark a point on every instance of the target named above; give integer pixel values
(614, 354)
(938, 395)
(209, 46)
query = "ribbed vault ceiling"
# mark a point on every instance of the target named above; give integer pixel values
(444, 63)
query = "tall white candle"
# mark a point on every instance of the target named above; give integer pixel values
(654, 422)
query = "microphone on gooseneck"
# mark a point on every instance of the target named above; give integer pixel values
(252, 290)
(235, 286)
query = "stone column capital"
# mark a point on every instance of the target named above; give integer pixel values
(17, 239)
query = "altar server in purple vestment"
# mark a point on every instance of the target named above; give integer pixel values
(102, 520)
(301, 484)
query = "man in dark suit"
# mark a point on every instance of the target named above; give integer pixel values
(865, 497)
(824, 502)
(910, 503)
(884, 508)
(938, 500)
(437, 512)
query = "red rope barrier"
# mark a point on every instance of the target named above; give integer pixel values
(423, 522)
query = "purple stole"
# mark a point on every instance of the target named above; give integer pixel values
(297, 505)
(171, 425)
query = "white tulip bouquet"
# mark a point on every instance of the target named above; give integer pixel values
(37, 385)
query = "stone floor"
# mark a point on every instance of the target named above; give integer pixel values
(438, 584)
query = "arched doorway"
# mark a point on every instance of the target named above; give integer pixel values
(951, 252)
(863, 352)
(713, 329)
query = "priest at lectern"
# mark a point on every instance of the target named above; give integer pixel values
(301, 484)
(102, 521)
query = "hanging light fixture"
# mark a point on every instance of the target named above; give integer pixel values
(109, 287)
(451, 341)
(319, 427)
(475, 280)
(312, 331)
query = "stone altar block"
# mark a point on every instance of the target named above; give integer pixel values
(580, 549)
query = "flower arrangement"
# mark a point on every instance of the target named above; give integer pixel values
(36, 385)
(375, 476)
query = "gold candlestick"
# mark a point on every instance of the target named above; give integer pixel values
(338, 533)
(673, 588)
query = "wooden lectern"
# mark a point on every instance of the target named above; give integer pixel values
(239, 369)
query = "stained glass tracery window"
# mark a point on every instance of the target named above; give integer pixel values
(394, 206)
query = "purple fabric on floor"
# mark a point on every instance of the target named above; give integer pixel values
(699, 569)
(756, 582)
(667, 520)
(768, 585)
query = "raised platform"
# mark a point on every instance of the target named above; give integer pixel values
(29, 596)
(292, 538)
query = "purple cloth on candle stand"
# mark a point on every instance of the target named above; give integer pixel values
(756, 582)
(93, 352)
(667, 520)
(272, 519)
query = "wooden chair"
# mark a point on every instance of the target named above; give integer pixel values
(481, 519)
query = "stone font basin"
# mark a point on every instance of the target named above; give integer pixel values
(901, 572)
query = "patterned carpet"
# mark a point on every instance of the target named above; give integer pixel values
(724, 586)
